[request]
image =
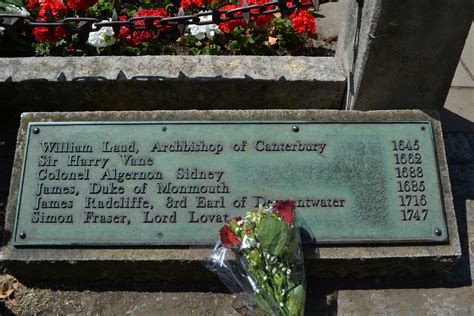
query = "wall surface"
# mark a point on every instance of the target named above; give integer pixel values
(402, 54)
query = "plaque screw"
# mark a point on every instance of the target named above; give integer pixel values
(438, 232)
(423, 128)
(295, 129)
(22, 235)
(36, 130)
(164, 129)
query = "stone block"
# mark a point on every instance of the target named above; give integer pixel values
(402, 57)
(355, 261)
(117, 83)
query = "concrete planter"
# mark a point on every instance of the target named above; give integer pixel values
(170, 82)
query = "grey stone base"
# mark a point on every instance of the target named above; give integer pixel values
(176, 263)
(118, 83)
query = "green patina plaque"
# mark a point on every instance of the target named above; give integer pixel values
(177, 183)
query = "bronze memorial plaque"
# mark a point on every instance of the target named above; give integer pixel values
(177, 183)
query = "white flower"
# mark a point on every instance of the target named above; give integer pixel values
(281, 304)
(102, 38)
(202, 31)
(2, 29)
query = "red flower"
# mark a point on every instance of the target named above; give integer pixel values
(55, 6)
(228, 26)
(80, 5)
(42, 33)
(286, 209)
(235, 219)
(303, 22)
(32, 3)
(188, 3)
(134, 38)
(261, 21)
(228, 239)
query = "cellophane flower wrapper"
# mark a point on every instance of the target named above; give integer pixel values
(262, 254)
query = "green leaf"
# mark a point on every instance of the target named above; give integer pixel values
(295, 302)
(263, 305)
(273, 235)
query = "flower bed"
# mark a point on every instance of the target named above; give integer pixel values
(150, 27)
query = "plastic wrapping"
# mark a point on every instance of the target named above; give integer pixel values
(261, 254)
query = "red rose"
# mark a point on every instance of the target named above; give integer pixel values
(80, 5)
(228, 239)
(286, 209)
(303, 22)
(42, 33)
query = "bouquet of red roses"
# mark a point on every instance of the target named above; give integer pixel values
(261, 253)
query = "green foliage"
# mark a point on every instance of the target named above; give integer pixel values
(285, 33)
(102, 8)
(43, 49)
(295, 302)
(273, 235)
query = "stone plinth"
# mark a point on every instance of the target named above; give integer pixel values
(167, 262)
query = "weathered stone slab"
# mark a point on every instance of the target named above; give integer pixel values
(392, 56)
(159, 262)
(117, 83)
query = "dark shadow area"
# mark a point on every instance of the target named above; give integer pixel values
(211, 285)
(321, 297)
(4, 311)
(453, 122)
(7, 153)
